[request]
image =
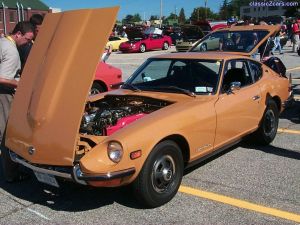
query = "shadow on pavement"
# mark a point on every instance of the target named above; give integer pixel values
(69, 197)
(292, 113)
(269, 149)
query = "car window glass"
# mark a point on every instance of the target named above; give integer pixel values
(256, 70)
(154, 70)
(236, 71)
(197, 76)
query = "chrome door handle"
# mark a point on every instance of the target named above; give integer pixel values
(256, 97)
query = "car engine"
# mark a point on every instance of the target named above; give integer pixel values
(113, 112)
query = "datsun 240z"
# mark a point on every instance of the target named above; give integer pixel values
(173, 112)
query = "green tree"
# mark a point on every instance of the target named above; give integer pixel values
(224, 10)
(154, 17)
(128, 19)
(137, 18)
(200, 13)
(172, 16)
(181, 18)
(132, 18)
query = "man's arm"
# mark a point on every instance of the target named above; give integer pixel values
(9, 83)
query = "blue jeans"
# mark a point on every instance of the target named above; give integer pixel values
(277, 45)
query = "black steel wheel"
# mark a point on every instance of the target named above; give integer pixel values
(269, 124)
(161, 175)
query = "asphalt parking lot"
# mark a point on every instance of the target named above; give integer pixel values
(244, 185)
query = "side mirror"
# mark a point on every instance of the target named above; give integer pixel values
(234, 86)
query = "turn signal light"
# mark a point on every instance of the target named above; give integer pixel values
(136, 154)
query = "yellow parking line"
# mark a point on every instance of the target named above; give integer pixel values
(240, 203)
(285, 130)
(291, 69)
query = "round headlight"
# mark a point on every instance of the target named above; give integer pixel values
(115, 151)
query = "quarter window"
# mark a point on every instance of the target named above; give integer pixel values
(256, 70)
(236, 71)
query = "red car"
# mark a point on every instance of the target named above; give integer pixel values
(106, 76)
(143, 41)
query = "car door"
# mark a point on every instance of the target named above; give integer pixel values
(238, 111)
(156, 41)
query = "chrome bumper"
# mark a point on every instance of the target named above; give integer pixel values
(76, 175)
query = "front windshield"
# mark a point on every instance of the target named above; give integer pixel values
(187, 76)
(230, 41)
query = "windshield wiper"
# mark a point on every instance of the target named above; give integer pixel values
(184, 91)
(131, 87)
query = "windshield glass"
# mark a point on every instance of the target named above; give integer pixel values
(230, 41)
(186, 76)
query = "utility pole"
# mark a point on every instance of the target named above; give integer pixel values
(205, 5)
(160, 14)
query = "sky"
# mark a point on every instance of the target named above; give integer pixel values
(145, 8)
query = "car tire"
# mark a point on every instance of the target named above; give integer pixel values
(10, 168)
(142, 48)
(96, 89)
(165, 46)
(268, 125)
(161, 175)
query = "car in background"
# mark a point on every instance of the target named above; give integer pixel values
(190, 35)
(115, 42)
(204, 25)
(216, 25)
(174, 32)
(106, 78)
(142, 41)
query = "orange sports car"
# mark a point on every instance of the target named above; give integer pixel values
(174, 111)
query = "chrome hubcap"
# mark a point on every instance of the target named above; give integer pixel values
(163, 172)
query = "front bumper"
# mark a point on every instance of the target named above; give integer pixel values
(74, 173)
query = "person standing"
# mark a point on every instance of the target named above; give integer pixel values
(10, 66)
(36, 20)
(277, 42)
(295, 37)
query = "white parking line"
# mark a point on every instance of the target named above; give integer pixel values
(38, 214)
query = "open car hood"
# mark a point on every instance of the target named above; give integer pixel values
(269, 30)
(47, 109)
(134, 33)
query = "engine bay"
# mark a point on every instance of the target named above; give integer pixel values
(113, 112)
